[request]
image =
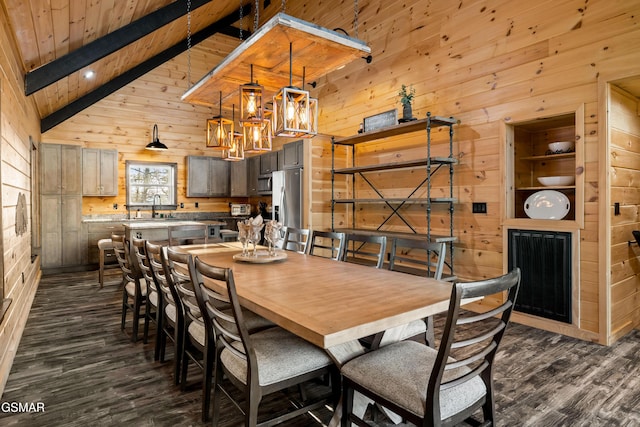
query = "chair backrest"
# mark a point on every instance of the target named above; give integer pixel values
(176, 270)
(470, 340)
(229, 325)
(327, 244)
(154, 258)
(140, 252)
(194, 233)
(214, 305)
(121, 249)
(367, 249)
(418, 257)
(296, 239)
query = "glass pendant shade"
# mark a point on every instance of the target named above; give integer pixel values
(257, 138)
(219, 133)
(313, 119)
(291, 112)
(236, 152)
(251, 104)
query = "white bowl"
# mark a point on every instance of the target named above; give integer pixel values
(560, 146)
(556, 180)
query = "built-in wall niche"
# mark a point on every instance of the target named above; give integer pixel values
(530, 158)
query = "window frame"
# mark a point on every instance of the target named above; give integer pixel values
(170, 204)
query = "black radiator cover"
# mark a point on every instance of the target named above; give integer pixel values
(544, 258)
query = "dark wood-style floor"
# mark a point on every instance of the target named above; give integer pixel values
(74, 359)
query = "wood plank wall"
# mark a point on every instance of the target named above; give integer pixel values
(486, 62)
(624, 121)
(18, 122)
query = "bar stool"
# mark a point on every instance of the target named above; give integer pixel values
(228, 235)
(103, 246)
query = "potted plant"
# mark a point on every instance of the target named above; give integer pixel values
(406, 95)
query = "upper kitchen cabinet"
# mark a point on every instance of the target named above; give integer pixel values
(545, 167)
(268, 162)
(207, 177)
(253, 166)
(61, 167)
(293, 155)
(239, 179)
(99, 172)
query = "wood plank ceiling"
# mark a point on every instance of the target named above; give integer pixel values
(48, 30)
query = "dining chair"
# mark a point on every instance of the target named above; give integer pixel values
(328, 244)
(366, 249)
(176, 266)
(440, 387)
(259, 363)
(154, 299)
(173, 323)
(188, 234)
(134, 290)
(166, 309)
(421, 258)
(296, 239)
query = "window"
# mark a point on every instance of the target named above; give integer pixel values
(147, 181)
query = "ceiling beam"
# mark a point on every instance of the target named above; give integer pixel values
(221, 26)
(61, 67)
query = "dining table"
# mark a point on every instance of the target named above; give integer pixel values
(329, 303)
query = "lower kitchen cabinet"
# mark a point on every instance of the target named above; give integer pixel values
(62, 234)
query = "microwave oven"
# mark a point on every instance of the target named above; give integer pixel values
(240, 209)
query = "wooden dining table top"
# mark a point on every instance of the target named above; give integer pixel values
(326, 302)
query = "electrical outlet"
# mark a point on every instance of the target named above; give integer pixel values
(196, 204)
(479, 207)
(181, 205)
(115, 206)
(616, 208)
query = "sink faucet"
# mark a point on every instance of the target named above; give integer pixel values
(153, 206)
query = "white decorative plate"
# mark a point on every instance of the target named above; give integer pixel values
(547, 204)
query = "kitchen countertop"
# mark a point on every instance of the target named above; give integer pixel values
(140, 224)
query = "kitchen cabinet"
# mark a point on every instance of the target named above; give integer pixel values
(268, 162)
(239, 179)
(97, 231)
(292, 155)
(207, 177)
(253, 166)
(99, 172)
(63, 240)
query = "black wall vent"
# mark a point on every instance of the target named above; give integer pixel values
(544, 258)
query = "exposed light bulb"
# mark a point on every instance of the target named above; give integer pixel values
(290, 111)
(251, 105)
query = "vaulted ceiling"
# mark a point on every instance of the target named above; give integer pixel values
(59, 41)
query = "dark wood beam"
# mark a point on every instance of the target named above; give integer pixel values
(221, 26)
(61, 67)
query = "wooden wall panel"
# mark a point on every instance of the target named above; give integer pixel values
(624, 151)
(18, 124)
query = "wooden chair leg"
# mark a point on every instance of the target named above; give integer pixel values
(125, 300)
(101, 268)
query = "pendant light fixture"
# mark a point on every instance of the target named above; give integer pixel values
(236, 151)
(258, 137)
(251, 103)
(219, 131)
(155, 145)
(291, 108)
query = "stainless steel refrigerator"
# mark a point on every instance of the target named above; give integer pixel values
(286, 190)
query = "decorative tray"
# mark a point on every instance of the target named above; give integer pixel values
(262, 257)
